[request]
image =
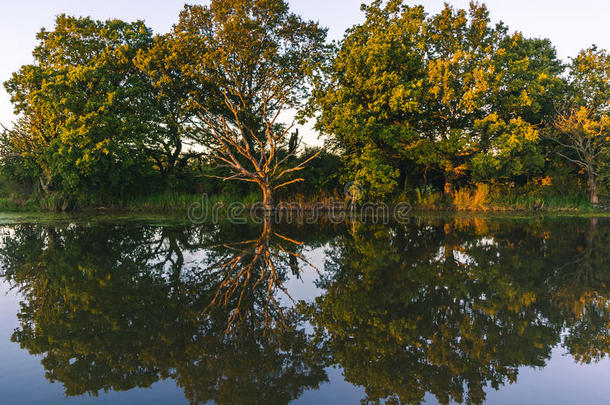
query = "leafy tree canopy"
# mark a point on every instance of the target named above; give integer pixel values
(448, 91)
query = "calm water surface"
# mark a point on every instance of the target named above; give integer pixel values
(441, 310)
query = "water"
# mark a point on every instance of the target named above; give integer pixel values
(440, 310)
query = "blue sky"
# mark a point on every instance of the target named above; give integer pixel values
(569, 24)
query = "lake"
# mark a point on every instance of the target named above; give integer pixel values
(436, 309)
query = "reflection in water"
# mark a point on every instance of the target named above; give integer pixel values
(447, 307)
(113, 308)
(242, 271)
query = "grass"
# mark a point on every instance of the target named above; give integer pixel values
(161, 202)
(158, 202)
(14, 203)
(171, 201)
(481, 199)
(317, 201)
(547, 203)
(478, 199)
(428, 199)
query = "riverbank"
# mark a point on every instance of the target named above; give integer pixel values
(177, 202)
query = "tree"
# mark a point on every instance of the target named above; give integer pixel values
(460, 76)
(582, 130)
(369, 96)
(169, 126)
(585, 141)
(24, 149)
(81, 102)
(250, 62)
(522, 105)
(405, 89)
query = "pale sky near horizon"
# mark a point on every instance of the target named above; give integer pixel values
(570, 25)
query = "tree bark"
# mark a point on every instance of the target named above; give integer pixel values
(44, 186)
(267, 196)
(593, 196)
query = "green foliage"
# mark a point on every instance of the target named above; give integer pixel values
(448, 91)
(581, 129)
(508, 149)
(590, 74)
(575, 202)
(109, 113)
(369, 170)
(80, 106)
(106, 107)
(321, 175)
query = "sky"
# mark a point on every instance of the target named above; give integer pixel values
(571, 25)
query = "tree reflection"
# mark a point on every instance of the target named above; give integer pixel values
(581, 292)
(113, 308)
(447, 307)
(239, 271)
(450, 307)
(263, 355)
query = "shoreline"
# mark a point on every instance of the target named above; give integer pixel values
(178, 204)
(177, 212)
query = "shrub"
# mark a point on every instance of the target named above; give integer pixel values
(471, 200)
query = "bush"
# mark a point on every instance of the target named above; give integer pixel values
(472, 200)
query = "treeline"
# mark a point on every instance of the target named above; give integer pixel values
(447, 100)
(109, 111)
(412, 105)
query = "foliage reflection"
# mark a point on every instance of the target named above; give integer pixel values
(442, 306)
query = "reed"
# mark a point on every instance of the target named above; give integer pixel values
(472, 200)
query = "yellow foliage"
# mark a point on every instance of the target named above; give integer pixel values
(546, 182)
(469, 200)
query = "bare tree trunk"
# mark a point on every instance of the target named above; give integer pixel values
(593, 196)
(267, 196)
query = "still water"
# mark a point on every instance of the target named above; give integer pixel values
(439, 310)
